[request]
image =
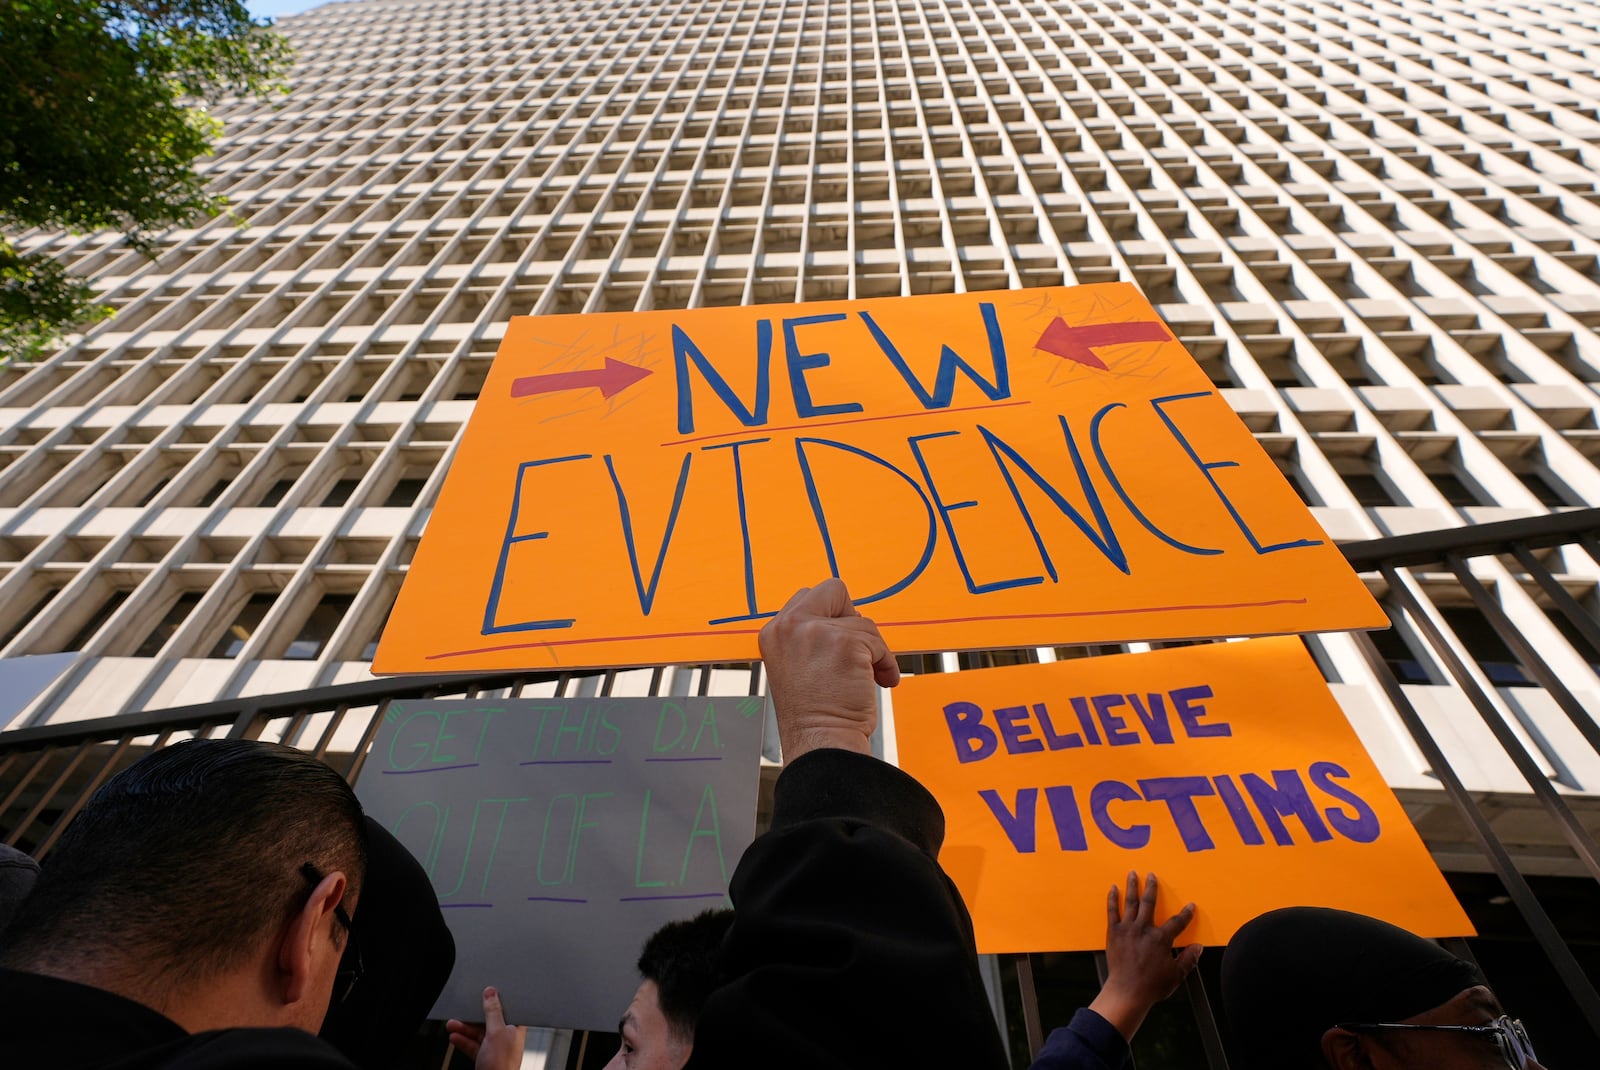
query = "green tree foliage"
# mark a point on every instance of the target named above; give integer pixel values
(102, 119)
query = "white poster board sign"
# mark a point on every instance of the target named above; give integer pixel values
(560, 833)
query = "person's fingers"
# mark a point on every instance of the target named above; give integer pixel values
(494, 1015)
(1189, 958)
(1147, 902)
(830, 598)
(796, 598)
(465, 1043)
(1130, 905)
(885, 669)
(1177, 923)
(1113, 915)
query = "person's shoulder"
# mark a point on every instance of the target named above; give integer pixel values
(247, 1049)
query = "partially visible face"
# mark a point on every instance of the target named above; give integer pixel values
(648, 1042)
(1446, 1051)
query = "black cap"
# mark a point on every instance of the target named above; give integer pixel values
(1291, 975)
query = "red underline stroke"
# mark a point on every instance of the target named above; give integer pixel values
(839, 423)
(882, 624)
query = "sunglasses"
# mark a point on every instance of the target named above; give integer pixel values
(350, 965)
(1508, 1032)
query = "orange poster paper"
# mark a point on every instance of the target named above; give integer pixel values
(1228, 770)
(984, 470)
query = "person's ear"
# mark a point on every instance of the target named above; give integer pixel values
(1344, 1050)
(307, 940)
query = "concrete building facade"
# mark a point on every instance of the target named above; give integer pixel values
(1375, 224)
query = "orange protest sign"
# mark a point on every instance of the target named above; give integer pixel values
(991, 469)
(1228, 770)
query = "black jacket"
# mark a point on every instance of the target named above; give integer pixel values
(65, 1026)
(849, 947)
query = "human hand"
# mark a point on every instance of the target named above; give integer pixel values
(823, 659)
(1141, 969)
(491, 1043)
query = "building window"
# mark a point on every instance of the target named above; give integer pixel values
(27, 616)
(1363, 480)
(276, 492)
(1575, 638)
(1456, 491)
(164, 631)
(1407, 663)
(1486, 646)
(1544, 488)
(405, 492)
(319, 626)
(370, 650)
(340, 492)
(1297, 479)
(96, 620)
(214, 491)
(243, 627)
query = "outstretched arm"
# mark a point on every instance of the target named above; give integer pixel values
(849, 946)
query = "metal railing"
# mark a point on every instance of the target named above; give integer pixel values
(48, 772)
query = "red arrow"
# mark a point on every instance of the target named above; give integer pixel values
(1079, 343)
(614, 377)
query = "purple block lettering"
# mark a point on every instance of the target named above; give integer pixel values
(1185, 703)
(1286, 795)
(1019, 737)
(974, 740)
(1179, 792)
(1117, 733)
(1364, 827)
(1020, 826)
(1100, 799)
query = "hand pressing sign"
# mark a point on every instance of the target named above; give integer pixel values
(1141, 969)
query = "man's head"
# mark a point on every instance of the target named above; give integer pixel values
(207, 881)
(1308, 988)
(679, 967)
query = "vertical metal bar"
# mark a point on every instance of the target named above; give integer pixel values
(27, 778)
(1527, 654)
(1591, 546)
(326, 739)
(297, 721)
(359, 758)
(1583, 844)
(1030, 1005)
(583, 1049)
(50, 792)
(1205, 1021)
(89, 789)
(1544, 931)
(1581, 620)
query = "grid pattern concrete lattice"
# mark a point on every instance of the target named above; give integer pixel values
(1376, 224)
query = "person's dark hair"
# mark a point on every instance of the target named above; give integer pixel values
(681, 958)
(186, 860)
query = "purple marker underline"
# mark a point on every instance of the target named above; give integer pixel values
(553, 899)
(709, 759)
(570, 761)
(447, 906)
(431, 769)
(647, 898)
